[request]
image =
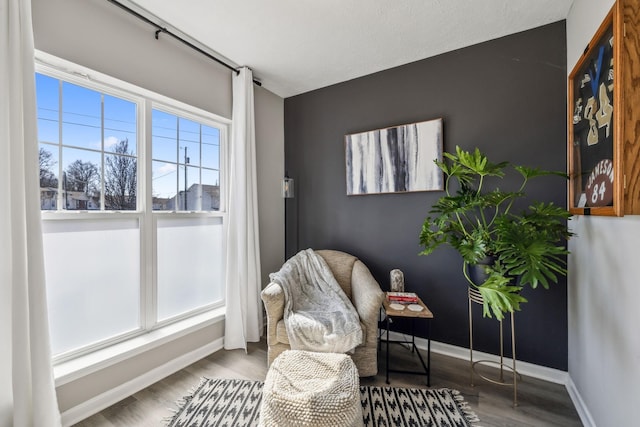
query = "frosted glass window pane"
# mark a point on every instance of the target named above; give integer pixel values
(190, 264)
(93, 280)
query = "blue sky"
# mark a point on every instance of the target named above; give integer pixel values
(81, 132)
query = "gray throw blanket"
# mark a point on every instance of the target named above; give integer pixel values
(317, 313)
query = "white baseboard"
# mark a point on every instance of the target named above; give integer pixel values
(108, 398)
(536, 371)
(581, 408)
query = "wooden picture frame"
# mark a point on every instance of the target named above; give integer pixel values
(594, 144)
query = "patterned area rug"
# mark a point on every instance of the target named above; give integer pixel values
(236, 403)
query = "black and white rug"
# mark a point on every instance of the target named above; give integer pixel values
(236, 403)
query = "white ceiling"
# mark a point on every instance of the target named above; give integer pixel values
(295, 46)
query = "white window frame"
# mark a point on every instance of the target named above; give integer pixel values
(146, 101)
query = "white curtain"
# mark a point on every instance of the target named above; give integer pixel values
(27, 392)
(243, 321)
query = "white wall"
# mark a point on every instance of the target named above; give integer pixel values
(270, 154)
(604, 293)
(100, 36)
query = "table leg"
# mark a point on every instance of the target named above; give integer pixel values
(387, 358)
(413, 336)
(429, 353)
(379, 330)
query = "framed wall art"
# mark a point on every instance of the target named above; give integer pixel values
(395, 159)
(603, 119)
(592, 170)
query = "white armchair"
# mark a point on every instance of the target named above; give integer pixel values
(361, 288)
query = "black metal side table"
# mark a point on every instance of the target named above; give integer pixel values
(426, 314)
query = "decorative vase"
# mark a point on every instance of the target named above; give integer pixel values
(397, 280)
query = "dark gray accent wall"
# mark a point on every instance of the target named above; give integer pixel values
(505, 96)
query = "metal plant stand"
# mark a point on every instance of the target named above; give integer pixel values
(476, 297)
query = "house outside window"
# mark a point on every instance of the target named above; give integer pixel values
(132, 199)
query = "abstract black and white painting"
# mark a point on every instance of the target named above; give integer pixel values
(395, 159)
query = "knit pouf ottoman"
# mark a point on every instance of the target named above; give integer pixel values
(311, 389)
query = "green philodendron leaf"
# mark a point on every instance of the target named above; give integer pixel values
(499, 297)
(497, 197)
(430, 237)
(528, 172)
(463, 174)
(543, 272)
(450, 205)
(479, 163)
(471, 250)
(443, 223)
(450, 156)
(443, 166)
(531, 247)
(475, 246)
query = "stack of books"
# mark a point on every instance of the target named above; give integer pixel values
(402, 297)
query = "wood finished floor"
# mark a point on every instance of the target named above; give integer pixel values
(540, 403)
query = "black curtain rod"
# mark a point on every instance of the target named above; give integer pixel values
(161, 29)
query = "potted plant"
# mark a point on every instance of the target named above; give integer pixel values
(525, 248)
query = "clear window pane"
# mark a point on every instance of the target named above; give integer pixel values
(81, 117)
(197, 146)
(183, 197)
(189, 264)
(164, 186)
(93, 280)
(48, 159)
(81, 179)
(210, 190)
(119, 123)
(189, 142)
(78, 171)
(210, 147)
(120, 180)
(48, 99)
(190, 191)
(164, 136)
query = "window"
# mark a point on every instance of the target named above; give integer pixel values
(87, 148)
(131, 192)
(186, 164)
